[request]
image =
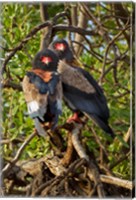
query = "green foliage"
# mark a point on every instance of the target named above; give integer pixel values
(16, 122)
(54, 9)
(22, 18)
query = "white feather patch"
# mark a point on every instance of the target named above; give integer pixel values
(33, 106)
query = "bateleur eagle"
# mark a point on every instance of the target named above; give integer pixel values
(81, 92)
(43, 90)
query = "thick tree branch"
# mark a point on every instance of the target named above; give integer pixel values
(117, 181)
(33, 167)
(73, 29)
(92, 169)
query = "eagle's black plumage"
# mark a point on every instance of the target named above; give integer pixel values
(93, 102)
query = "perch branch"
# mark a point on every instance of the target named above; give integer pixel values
(92, 171)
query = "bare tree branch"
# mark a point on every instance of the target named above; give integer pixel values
(11, 84)
(117, 181)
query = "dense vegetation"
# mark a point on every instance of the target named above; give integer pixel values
(105, 51)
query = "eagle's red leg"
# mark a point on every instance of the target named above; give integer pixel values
(74, 118)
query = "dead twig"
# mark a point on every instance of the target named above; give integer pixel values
(106, 169)
(120, 160)
(98, 141)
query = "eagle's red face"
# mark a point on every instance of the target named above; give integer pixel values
(60, 46)
(46, 59)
